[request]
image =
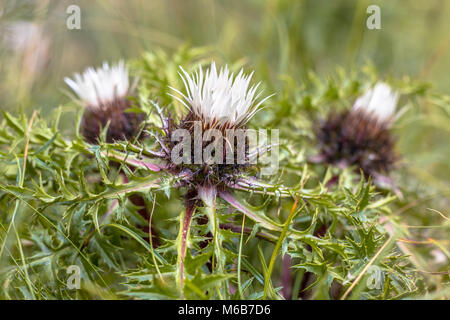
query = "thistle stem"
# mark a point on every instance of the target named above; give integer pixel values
(183, 236)
(241, 240)
(208, 195)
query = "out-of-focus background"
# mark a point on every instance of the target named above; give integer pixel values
(37, 50)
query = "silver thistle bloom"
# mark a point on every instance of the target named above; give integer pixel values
(216, 144)
(98, 88)
(103, 92)
(360, 136)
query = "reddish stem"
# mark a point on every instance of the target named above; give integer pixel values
(191, 204)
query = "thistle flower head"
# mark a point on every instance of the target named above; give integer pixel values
(211, 143)
(360, 136)
(103, 92)
(220, 99)
(102, 86)
(379, 101)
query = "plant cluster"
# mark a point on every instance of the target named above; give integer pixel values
(105, 196)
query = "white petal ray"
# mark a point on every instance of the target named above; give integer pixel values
(380, 101)
(219, 97)
(100, 86)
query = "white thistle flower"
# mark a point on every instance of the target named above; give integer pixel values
(380, 101)
(221, 99)
(102, 86)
